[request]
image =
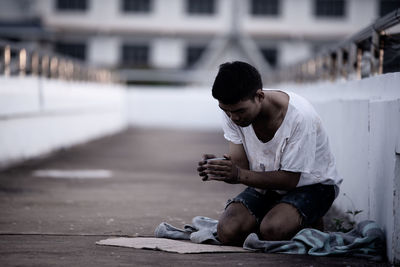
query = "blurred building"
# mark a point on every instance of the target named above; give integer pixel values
(175, 35)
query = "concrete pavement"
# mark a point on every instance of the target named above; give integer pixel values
(56, 221)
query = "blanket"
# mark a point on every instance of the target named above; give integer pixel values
(366, 240)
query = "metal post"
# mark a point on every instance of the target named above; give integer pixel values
(359, 60)
(339, 64)
(333, 66)
(70, 70)
(53, 67)
(312, 66)
(35, 63)
(7, 60)
(61, 69)
(381, 51)
(374, 49)
(45, 66)
(352, 61)
(22, 62)
(344, 65)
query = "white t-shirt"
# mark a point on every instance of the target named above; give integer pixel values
(299, 145)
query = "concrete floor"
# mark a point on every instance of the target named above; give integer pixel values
(53, 221)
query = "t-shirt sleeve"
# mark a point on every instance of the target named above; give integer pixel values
(231, 130)
(299, 153)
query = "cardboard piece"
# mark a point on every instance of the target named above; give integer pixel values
(169, 245)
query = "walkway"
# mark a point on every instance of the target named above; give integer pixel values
(56, 221)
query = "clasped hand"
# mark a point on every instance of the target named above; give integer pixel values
(219, 170)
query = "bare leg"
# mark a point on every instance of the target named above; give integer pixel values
(235, 224)
(282, 222)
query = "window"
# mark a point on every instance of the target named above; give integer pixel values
(193, 54)
(75, 50)
(71, 5)
(270, 55)
(265, 7)
(200, 7)
(387, 6)
(136, 6)
(135, 55)
(330, 8)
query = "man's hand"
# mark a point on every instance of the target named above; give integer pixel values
(201, 169)
(219, 170)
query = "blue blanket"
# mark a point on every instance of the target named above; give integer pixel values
(366, 240)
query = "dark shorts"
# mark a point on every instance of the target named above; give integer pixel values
(312, 201)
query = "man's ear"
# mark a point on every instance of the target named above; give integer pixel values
(260, 94)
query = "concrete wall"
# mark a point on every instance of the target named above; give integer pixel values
(38, 116)
(363, 122)
(171, 107)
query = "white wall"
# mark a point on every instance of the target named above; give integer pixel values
(104, 50)
(40, 116)
(363, 122)
(291, 52)
(167, 53)
(172, 107)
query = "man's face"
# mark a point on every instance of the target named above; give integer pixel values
(242, 113)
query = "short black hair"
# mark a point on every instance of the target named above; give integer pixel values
(236, 81)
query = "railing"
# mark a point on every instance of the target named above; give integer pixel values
(19, 59)
(360, 56)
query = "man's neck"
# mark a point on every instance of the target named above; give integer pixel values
(271, 109)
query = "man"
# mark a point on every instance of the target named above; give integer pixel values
(279, 149)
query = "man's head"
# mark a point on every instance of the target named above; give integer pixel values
(238, 88)
(236, 81)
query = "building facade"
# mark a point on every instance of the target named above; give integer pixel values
(174, 34)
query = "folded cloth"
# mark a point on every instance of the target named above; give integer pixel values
(203, 230)
(365, 240)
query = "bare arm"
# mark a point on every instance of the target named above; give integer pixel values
(281, 180)
(238, 156)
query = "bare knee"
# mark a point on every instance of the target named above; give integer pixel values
(228, 233)
(281, 223)
(235, 224)
(273, 232)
